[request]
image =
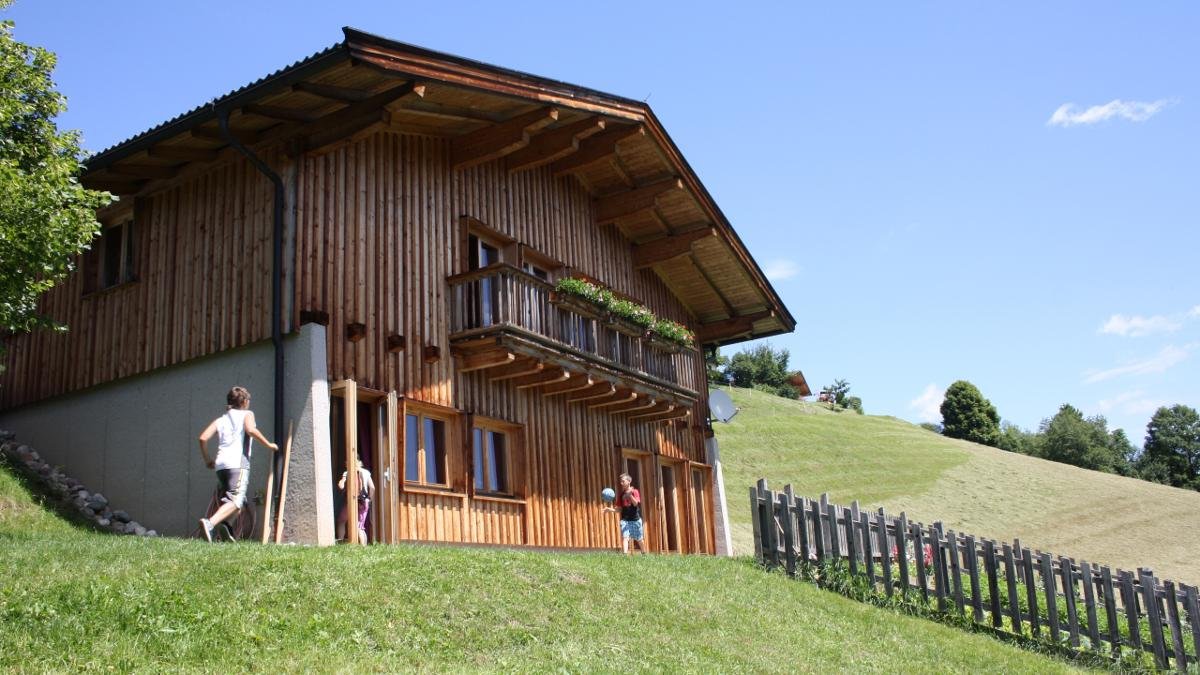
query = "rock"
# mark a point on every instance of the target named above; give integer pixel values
(103, 522)
(97, 502)
(138, 529)
(151, 533)
(121, 516)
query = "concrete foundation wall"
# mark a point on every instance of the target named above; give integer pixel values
(134, 440)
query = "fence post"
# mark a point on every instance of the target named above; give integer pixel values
(1066, 569)
(1110, 610)
(818, 531)
(973, 572)
(1150, 598)
(851, 541)
(1089, 602)
(993, 572)
(864, 520)
(900, 528)
(955, 569)
(754, 522)
(835, 543)
(1035, 621)
(789, 542)
(1176, 628)
(1193, 611)
(771, 526)
(939, 566)
(885, 552)
(1014, 602)
(801, 508)
(1129, 599)
(919, 548)
(1051, 597)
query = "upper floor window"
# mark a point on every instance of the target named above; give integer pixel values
(110, 262)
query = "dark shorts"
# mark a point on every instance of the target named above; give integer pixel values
(233, 483)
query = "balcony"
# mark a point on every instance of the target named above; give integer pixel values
(515, 326)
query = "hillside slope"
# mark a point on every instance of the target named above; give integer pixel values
(74, 601)
(883, 461)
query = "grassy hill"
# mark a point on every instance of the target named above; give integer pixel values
(72, 600)
(883, 461)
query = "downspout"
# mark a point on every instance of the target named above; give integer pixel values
(276, 270)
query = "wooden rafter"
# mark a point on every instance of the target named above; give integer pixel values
(729, 328)
(598, 148)
(441, 110)
(618, 398)
(554, 144)
(117, 186)
(279, 113)
(577, 382)
(712, 285)
(524, 366)
(499, 140)
(244, 136)
(552, 375)
(661, 408)
(153, 171)
(598, 390)
(613, 207)
(332, 92)
(668, 248)
(485, 360)
(675, 414)
(641, 404)
(183, 153)
(352, 119)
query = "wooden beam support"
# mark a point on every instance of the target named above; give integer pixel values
(350, 120)
(554, 144)
(598, 148)
(275, 112)
(117, 186)
(641, 405)
(668, 248)
(676, 414)
(244, 136)
(525, 366)
(577, 382)
(332, 92)
(598, 390)
(632, 202)
(618, 398)
(443, 111)
(732, 327)
(183, 153)
(552, 375)
(661, 408)
(485, 360)
(497, 141)
(151, 171)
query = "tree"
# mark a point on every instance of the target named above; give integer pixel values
(1071, 439)
(1015, 439)
(46, 216)
(966, 414)
(838, 391)
(1171, 454)
(715, 365)
(764, 368)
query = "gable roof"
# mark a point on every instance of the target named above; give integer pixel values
(614, 146)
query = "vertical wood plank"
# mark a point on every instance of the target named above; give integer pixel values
(864, 519)
(1051, 597)
(952, 547)
(1176, 628)
(939, 566)
(993, 575)
(789, 543)
(1129, 599)
(818, 531)
(852, 541)
(919, 558)
(1010, 576)
(1089, 601)
(1150, 600)
(885, 553)
(1067, 571)
(900, 528)
(755, 518)
(1193, 611)
(973, 571)
(801, 507)
(1110, 610)
(1031, 597)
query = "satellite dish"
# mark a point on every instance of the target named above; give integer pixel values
(721, 406)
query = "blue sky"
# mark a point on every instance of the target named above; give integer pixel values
(907, 173)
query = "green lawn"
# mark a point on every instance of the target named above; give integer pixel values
(72, 600)
(883, 461)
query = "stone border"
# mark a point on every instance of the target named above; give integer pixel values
(69, 492)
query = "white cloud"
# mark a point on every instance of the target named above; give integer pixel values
(779, 269)
(1139, 326)
(1069, 115)
(1131, 403)
(1164, 360)
(929, 404)
(1195, 311)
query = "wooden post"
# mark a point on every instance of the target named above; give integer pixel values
(835, 543)
(851, 541)
(830, 532)
(885, 552)
(1150, 598)
(1176, 627)
(1067, 572)
(900, 528)
(1035, 622)
(266, 527)
(1051, 597)
(919, 544)
(789, 542)
(993, 574)
(801, 508)
(1193, 612)
(283, 484)
(1089, 602)
(1110, 610)
(939, 566)
(864, 519)
(973, 571)
(772, 526)
(818, 531)
(754, 521)
(955, 569)
(1010, 576)
(1129, 599)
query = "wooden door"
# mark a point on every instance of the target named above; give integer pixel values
(671, 511)
(363, 426)
(702, 522)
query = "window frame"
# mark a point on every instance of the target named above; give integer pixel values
(513, 453)
(95, 263)
(451, 466)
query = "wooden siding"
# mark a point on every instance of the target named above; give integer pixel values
(378, 233)
(202, 260)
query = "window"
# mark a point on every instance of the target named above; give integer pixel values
(110, 262)
(428, 443)
(496, 457)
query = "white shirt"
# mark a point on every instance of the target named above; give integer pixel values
(232, 440)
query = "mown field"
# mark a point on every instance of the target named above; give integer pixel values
(883, 461)
(72, 600)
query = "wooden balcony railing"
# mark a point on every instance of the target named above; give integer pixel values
(502, 297)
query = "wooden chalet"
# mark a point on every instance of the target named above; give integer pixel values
(411, 212)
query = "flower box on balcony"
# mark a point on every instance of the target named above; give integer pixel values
(578, 305)
(664, 345)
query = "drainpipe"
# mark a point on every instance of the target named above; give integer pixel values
(276, 269)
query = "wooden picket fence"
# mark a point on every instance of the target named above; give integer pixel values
(1108, 608)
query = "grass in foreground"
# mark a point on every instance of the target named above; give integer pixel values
(72, 600)
(883, 461)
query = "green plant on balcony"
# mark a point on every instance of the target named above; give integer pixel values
(639, 315)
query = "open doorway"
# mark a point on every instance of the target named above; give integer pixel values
(361, 426)
(671, 507)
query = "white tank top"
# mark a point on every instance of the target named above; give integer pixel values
(232, 441)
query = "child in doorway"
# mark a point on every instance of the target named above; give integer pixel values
(234, 431)
(366, 492)
(629, 501)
